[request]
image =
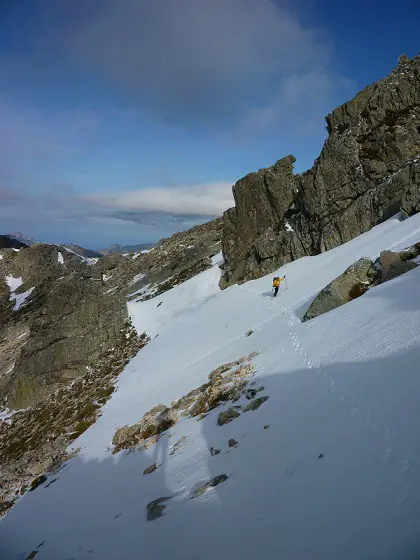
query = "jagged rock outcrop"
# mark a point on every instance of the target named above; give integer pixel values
(57, 321)
(368, 168)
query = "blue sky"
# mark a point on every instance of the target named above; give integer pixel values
(123, 121)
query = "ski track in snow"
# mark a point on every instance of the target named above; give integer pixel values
(383, 434)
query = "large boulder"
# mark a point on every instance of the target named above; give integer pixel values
(354, 281)
(390, 265)
(368, 169)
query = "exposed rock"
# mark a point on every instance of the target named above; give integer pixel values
(390, 265)
(266, 427)
(200, 490)
(34, 442)
(227, 416)
(72, 324)
(6, 307)
(153, 423)
(172, 261)
(214, 451)
(156, 508)
(255, 404)
(215, 481)
(251, 393)
(37, 482)
(150, 469)
(66, 319)
(248, 333)
(226, 383)
(343, 289)
(321, 456)
(410, 253)
(368, 169)
(232, 442)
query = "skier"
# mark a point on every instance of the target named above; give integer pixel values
(276, 283)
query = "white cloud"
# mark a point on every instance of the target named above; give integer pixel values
(204, 200)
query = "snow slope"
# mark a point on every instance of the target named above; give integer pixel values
(335, 475)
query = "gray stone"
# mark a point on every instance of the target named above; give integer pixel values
(343, 289)
(218, 479)
(390, 266)
(150, 469)
(232, 442)
(255, 404)
(227, 416)
(215, 481)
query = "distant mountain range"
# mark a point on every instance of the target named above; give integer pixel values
(126, 248)
(11, 242)
(18, 239)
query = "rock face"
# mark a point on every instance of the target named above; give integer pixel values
(65, 325)
(368, 168)
(342, 289)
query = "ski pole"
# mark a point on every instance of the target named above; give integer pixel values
(285, 281)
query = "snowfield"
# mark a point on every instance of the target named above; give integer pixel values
(327, 468)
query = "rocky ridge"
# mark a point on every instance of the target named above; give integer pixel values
(171, 262)
(368, 169)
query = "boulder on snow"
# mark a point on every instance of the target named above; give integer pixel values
(410, 253)
(227, 416)
(255, 404)
(153, 423)
(390, 265)
(343, 289)
(150, 469)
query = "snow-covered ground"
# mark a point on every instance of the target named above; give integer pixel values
(334, 476)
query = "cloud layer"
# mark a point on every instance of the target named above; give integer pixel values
(204, 200)
(159, 211)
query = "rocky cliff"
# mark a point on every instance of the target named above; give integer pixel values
(368, 168)
(56, 319)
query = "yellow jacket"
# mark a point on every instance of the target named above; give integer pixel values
(277, 281)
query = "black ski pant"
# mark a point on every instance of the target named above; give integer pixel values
(276, 290)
